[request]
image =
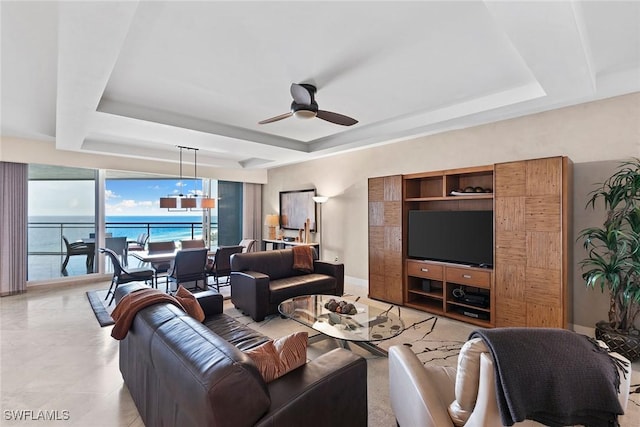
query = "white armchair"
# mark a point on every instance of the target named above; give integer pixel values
(437, 396)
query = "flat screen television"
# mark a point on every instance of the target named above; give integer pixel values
(463, 237)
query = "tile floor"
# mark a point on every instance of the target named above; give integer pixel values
(55, 360)
(54, 357)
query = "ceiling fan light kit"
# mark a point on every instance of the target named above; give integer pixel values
(304, 114)
(304, 106)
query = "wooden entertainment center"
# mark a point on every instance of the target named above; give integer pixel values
(528, 284)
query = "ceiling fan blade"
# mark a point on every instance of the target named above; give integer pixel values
(276, 118)
(336, 118)
(300, 94)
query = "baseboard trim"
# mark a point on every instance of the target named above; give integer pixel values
(75, 280)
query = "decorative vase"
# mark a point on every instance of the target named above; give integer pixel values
(627, 345)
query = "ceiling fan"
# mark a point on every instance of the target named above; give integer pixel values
(304, 106)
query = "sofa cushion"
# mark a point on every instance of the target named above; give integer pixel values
(275, 264)
(277, 357)
(307, 284)
(467, 381)
(194, 366)
(241, 336)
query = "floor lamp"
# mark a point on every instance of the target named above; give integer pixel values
(320, 200)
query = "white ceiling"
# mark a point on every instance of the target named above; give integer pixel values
(136, 79)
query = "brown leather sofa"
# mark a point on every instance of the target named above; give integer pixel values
(181, 372)
(262, 280)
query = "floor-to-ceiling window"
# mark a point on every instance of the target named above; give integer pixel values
(61, 206)
(132, 208)
(66, 203)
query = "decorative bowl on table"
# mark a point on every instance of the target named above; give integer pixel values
(341, 307)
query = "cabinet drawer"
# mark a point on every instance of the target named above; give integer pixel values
(465, 276)
(424, 270)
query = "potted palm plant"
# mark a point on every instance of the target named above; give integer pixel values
(613, 257)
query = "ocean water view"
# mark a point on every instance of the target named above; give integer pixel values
(45, 232)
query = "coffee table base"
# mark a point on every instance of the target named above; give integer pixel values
(371, 348)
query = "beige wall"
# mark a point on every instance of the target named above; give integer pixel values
(43, 152)
(588, 133)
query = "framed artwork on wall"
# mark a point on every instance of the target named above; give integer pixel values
(295, 207)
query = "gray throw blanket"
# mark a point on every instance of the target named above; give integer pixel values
(553, 376)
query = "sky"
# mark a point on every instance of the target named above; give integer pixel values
(122, 197)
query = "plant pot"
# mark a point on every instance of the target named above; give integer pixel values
(626, 344)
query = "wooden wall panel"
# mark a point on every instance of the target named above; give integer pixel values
(385, 238)
(376, 214)
(541, 299)
(393, 188)
(376, 284)
(393, 240)
(510, 312)
(510, 179)
(511, 246)
(542, 286)
(544, 177)
(544, 316)
(510, 214)
(544, 250)
(392, 266)
(376, 189)
(376, 250)
(512, 279)
(543, 213)
(393, 214)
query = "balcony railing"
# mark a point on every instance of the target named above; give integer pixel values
(45, 240)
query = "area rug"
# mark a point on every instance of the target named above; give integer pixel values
(435, 340)
(100, 307)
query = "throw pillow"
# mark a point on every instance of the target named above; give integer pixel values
(190, 303)
(467, 381)
(277, 357)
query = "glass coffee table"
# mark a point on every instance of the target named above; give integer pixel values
(368, 324)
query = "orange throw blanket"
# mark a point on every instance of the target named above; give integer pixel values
(130, 304)
(303, 258)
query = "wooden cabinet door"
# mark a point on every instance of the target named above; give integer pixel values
(531, 243)
(385, 238)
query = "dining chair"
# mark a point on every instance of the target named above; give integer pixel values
(78, 248)
(122, 275)
(139, 244)
(188, 266)
(119, 246)
(192, 244)
(221, 266)
(160, 268)
(247, 244)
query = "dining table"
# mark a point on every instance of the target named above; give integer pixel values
(157, 257)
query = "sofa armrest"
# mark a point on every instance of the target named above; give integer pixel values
(419, 395)
(250, 293)
(211, 302)
(333, 269)
(329, 388)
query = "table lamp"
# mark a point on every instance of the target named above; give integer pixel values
(272, 221)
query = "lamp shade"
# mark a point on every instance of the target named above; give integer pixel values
(207, 203)
(320, 199)
(271, 220)
(168, 202)
(187, 202)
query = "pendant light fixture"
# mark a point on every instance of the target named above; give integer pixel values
(189, 202)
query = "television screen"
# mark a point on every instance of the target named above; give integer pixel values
(464, 237)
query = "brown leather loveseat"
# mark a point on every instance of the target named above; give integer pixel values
(260, 281)
(181, 372)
